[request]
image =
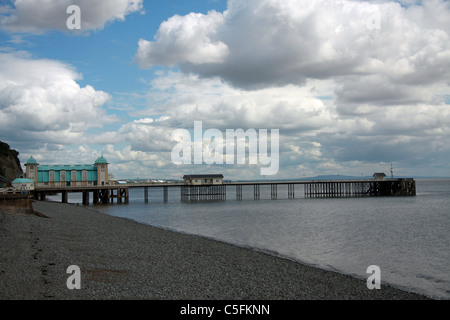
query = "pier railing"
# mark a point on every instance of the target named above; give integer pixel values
(311, 189)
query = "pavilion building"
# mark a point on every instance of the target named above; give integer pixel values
(81, 175)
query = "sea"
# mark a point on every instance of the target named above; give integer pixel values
(408, 238)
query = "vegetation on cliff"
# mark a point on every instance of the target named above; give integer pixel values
(10, 167)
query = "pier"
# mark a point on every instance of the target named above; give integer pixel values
(100, 195)
(333, 188)
(203, 193)
(369, 188)
(195, 193)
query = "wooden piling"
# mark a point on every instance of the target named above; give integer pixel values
(256, 192)
(203, 193)
(146, 194)
(291, 192)
(64, 197)
(238, 192)
(273, 191)
(85, 197)
(166, 193)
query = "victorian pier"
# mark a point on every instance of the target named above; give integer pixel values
(218, 192)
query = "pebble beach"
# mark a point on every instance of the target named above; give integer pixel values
(126, 260)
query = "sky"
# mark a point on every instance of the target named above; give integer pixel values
(352, 86)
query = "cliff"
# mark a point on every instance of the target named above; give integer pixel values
(10, 167)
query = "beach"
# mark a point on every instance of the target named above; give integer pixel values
(123, 259)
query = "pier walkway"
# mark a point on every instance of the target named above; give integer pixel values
(311, 189)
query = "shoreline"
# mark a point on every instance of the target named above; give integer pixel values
(123, 259)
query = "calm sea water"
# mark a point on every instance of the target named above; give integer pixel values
(407, 237)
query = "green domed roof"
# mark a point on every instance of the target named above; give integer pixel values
(23, 180)
(31, 160)
(100, 160)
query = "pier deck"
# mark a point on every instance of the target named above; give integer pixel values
(311, 189)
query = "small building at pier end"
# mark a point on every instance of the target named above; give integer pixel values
(203, 179)
(379, 176)
(79, 175)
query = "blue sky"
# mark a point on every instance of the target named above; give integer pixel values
(353, 86)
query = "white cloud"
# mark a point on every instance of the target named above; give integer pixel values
(185, 39)
(345, 97)
(40, 100)
(314, 130)
(382, 70)
(39, 16)
(265, 43)
(184, 99)
(144, 137)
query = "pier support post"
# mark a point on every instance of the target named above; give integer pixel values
(64, 196)
(166, 193)
(126, 194)
(273, 191)
(104, 196)
(256, 192)
(183, 193)
(238, 192)
(291, 194)
(146, 194)
(85, 198)
(119, 195)
(111, 195)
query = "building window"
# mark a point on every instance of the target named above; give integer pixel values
(51, 176)
(73, 175)
(62, 175)
(84, 175)
(32, 172)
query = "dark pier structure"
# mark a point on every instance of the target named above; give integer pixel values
(203, 193)
(100, 195)
(311, 189)
(218, 192)
(364, 188)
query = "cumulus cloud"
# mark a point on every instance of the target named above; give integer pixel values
(38, 16)
(314, 133)
(183, 99)
(264, 43)
(177, 41)
(345, 81)
(349, 84)
(41, 100)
